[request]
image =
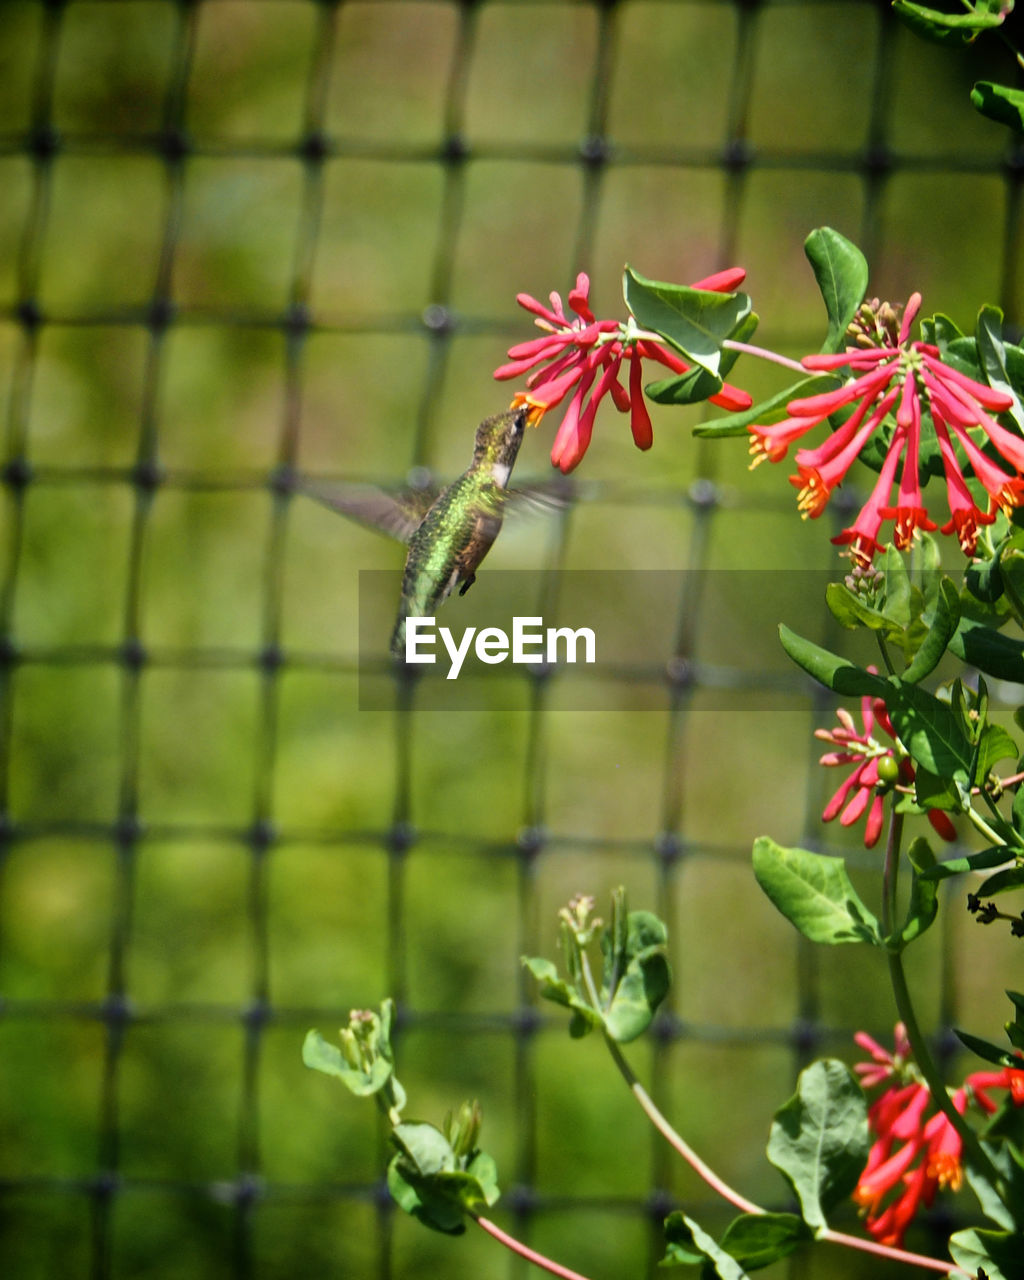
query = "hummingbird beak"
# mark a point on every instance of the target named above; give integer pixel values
(534, 410)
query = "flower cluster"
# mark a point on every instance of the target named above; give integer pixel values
(584, 355)
(895, 375)
(879, 766)
(915, 1153)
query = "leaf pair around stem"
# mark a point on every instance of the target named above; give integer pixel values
(635, 973)
(818, 1139)
(437, 1176)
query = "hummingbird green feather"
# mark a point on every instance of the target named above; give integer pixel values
(448, 536)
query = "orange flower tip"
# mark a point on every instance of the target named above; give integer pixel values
(763, 448)
(535, 411)
(813, 496)
(758, 454)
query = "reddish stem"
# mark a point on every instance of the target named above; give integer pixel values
(887, 1251)
(531, 1255)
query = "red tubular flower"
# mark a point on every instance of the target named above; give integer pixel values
(887, 371)
(914, 1154)
(584, 356)
(862, 790)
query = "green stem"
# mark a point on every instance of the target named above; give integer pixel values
(905, 1007)
(1012, 598)
(980, 825)
(883, 649)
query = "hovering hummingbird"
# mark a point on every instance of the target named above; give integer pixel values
(448, 534)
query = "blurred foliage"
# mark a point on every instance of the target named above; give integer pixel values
(198, 925)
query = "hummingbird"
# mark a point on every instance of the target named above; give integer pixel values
(447, 533)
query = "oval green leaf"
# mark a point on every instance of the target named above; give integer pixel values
(841, 271)
(819, 1138)
(814, 893)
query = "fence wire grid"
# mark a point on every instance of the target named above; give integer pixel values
(247, 241)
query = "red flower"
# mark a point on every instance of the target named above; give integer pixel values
(914, 1154)
(584, 355)
(864, 788)
(892, 373)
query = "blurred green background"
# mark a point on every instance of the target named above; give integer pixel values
(241, 236)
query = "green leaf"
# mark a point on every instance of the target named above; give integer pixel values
(1011, 878)
(931, 792)
(1011, 568)
(636, 975)
(962, 354)
(997, 1253)
(841, 271)
(1003, 1142)
(988, 1198)
(426, 1179)
(683, 1249)
(767, 411)
(695, 321)
(853, 612)
(935, 24)
(929, 730)
(819, 1139)
(364, 1070)
(688, 1244)
(994, 745)
(941, 330)
(898, 587)
(943, 625)
(424, 1202)
(757, 1240)
(691, 387)
(989, 650)
(1000, 103)
(556, 989)
(993, 857)
(484, 1172)
(992, 350)
(837, 674)
(425, 1146)
(814, 893)
(984, 581)
(923, 906)
(985, 1049)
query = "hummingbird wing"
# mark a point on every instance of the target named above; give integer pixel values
(543, 496)
(398, 515)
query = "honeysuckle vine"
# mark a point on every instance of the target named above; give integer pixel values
(907, 400)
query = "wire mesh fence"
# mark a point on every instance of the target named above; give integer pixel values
(246, 241)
